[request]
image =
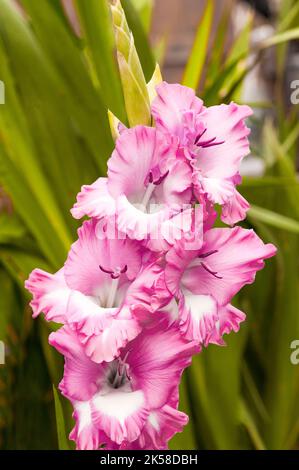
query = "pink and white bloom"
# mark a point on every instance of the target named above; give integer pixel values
(204, 281)
(147, 184)
(91, 292)
(214, 141)
(130, 402)
(149, 280)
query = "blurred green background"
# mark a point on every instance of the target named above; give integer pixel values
(59, 68)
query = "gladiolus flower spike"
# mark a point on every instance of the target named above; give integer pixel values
(151, 280)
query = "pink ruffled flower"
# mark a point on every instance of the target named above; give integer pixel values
(91, 293)
(130, 402)
(147, 185)
(214, 141)
(149, 280)
(204, 282)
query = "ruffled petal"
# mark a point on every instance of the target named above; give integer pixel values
(81, 375)
(90, 254)
(228, 266)
(138, 151)
(85, 433)
(176, 187)
(217, 190)
(170, 106)
(61, 304)
(94, 200)
(106, 345)
(157, 358)
(102, 331)
(142, 291)
(161, 425)
(50, 294)
(140, 225)
(235, 209)
(121, 414)
(177, 262)
(229, 319)
(226, 124)
(177, 227)
(198, 316)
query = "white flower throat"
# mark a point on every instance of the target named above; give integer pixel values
(115, 275)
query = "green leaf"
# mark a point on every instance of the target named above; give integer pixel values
(7, 303)
(46, 233)
(267, 181)
(233, 83)
(11, 228)
(198, 56)
(97, 26)
(283, 165)
(20, 263)
(280, 38)
(20, 170)
(254, 393)
(292, 137)
(144, 8)
(273, 219)
(290, 18)
(249, 423)
(60, 423)
(213, 91)
(217, 49)
(214, 388)
(60, 124)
